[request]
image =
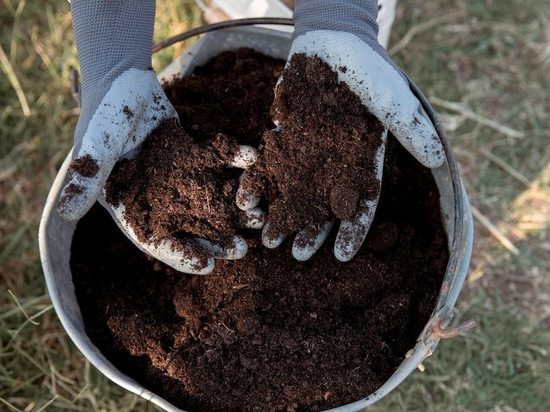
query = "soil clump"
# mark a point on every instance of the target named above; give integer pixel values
(320, 163)
(179, 186)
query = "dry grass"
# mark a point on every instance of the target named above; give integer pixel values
(483, 63)
(486, 73)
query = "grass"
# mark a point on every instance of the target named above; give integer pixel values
(501, 366)
(487, 58)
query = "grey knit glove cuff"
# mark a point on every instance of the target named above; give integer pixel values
(357, 17)
(111, 36)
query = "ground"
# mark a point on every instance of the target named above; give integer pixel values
(484, 65)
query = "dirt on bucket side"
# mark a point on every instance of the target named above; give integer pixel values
(267, 332)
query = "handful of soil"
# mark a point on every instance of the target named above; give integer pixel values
(321, 162)
(266, 333)
(178, 186)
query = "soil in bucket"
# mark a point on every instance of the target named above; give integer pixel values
(266, 332)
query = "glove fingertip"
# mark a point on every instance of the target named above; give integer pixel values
(74, 202)
(308, 241)
(432, 154)
(186, 256)
(345, 247)
(252, 219)
(271, 237)
(245, 157)
(352, 233)
(302, 254)
(246, 197)
(87, 179)
(232, 249)
(422, 141)
(203, 268)
(195, 265)
(240, 248)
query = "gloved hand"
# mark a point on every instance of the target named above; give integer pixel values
(344, 34)
(194, 255)
(122, 103)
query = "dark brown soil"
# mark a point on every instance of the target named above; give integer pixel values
(321, 162)
(267, 332)
(85, 166)
(178, 186)
(218, 97)
(73, 189)
(344, 201)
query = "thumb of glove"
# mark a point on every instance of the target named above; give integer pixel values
(87, 179)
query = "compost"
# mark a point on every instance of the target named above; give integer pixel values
(266, 332)
(175, 187)
(179, 186)
(321, 161)
(85, 166)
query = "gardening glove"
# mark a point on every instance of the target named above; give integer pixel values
(195, 255)
(343, 34)
(122, 102)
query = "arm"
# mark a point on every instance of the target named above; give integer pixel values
(122, 100)
(111, 38)
(122, 103)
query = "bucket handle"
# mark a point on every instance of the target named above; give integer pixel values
(281, 21)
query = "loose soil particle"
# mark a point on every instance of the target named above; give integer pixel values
(85, 166)
(128, 112)
(69, 193)
(267, 332)
(321, 162)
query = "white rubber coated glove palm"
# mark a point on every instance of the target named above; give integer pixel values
(122, 103)
(344, 34)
